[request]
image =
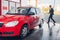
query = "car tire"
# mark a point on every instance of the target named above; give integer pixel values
(40, 26)
(24, 31)
(42, 22)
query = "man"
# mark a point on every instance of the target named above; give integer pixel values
(51, 12)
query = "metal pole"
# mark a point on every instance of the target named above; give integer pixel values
(36, 3)
(29, 3)
(20, 3)
(54, 3)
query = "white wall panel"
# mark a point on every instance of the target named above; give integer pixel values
(24, 2)
(33, 3)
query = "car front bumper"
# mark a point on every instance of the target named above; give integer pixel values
(10, 31)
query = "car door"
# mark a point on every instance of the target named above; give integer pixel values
(32, 17)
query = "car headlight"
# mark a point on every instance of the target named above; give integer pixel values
(11, 24)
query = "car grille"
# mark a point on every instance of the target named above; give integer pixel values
(1, 24)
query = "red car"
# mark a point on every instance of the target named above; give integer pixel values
(19, 24)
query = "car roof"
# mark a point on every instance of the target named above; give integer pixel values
(26, 7)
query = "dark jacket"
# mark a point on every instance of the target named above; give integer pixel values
(51, 11)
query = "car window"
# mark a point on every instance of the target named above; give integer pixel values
(32, 10)
(38, 10)
(21, 11)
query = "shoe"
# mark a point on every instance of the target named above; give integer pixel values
(54, 23)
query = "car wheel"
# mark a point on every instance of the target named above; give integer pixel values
(24, 31)
(40, 26)
(42, 22)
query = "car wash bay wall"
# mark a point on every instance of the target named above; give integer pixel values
(7, 5)
(0, 8)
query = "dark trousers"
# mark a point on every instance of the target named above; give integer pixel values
(51, 17)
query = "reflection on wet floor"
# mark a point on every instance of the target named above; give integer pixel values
(33, 35)
(41, 34)
(55, 32)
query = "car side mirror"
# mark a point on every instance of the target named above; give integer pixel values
(31, 13)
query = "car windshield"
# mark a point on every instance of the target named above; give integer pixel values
(21, 11)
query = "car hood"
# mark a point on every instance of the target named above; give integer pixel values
(8, 18)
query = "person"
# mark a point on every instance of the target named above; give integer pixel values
(51, 12)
